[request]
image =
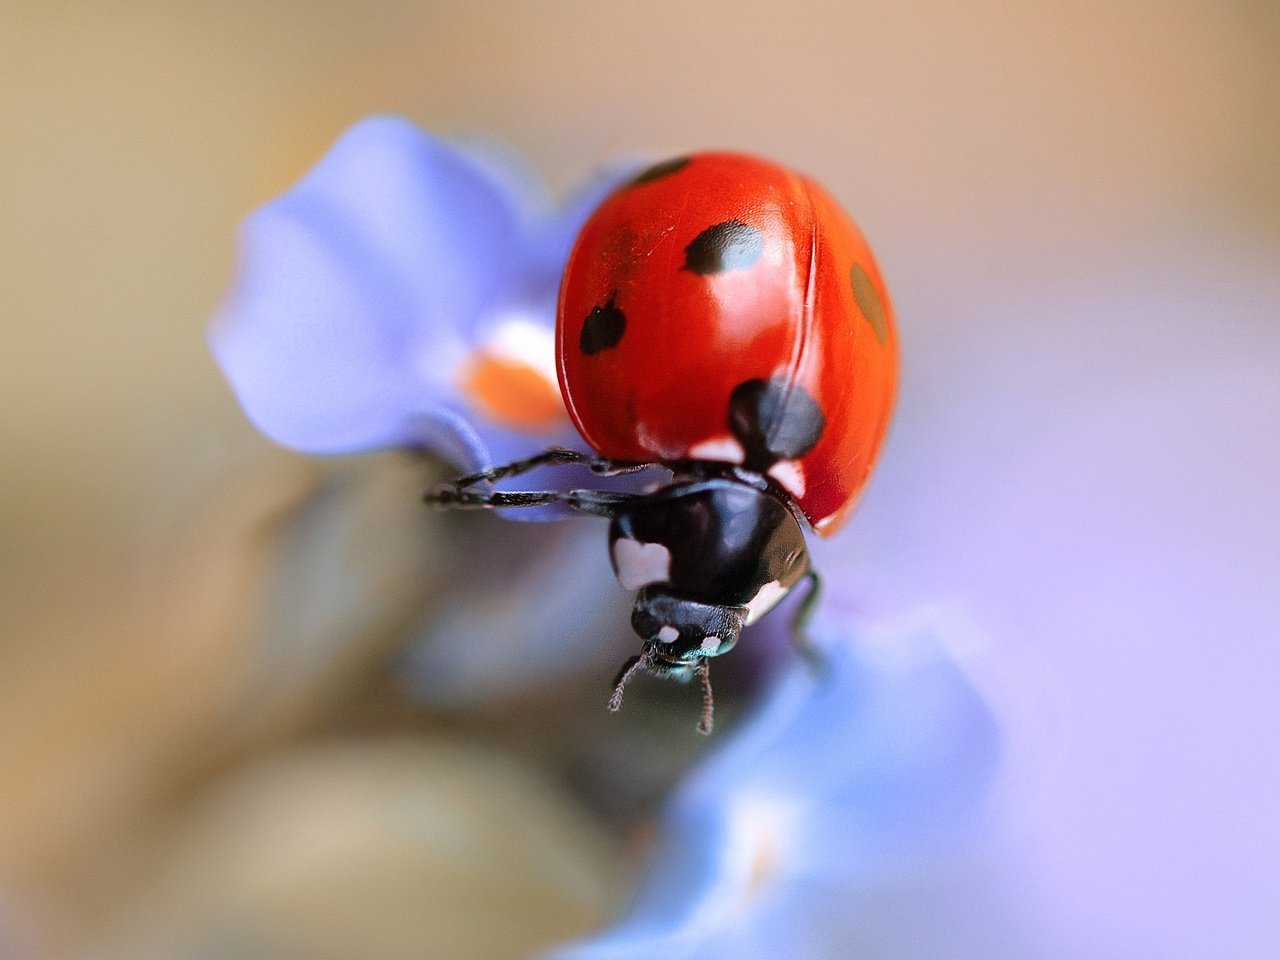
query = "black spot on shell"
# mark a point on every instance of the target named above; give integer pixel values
(774, 420)
(869, 302)
(660, 170)
(603, 327)
(732, 245)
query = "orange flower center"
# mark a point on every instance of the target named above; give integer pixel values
(512, 393)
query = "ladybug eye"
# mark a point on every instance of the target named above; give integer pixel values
(643, 622)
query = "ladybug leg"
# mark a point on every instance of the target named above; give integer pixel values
(800, 637)
(708, 702)
(615, 468)
(598, 503)
(620, 682)
(555, 457)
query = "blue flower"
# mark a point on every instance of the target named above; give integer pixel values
(814, 830)
(403, 295)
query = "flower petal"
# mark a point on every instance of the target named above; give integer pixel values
(357, 291)
(842, 781)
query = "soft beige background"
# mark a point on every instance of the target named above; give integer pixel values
(976, 142)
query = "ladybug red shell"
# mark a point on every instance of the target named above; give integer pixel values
(723, 308)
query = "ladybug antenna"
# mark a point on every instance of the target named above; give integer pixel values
(708, 703)
(619, 686)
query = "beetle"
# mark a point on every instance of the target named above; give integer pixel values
(719, 316)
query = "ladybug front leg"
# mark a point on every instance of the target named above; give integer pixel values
(800, 637)
(553, 457)
(599, 503)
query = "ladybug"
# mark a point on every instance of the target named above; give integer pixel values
(721, 317)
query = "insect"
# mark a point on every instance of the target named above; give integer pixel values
(721, 317)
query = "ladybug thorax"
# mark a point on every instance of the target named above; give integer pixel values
(708, 558)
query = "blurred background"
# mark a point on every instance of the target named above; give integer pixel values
(1078, 210)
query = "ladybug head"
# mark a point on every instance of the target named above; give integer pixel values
(679, 633)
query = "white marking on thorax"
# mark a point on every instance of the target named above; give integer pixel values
(725, 449)
(710, 645)
(668, 634)
(765, 600)
(790, 474)
(640, 564)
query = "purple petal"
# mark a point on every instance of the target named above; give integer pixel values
(840, 785)
(358, 290)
